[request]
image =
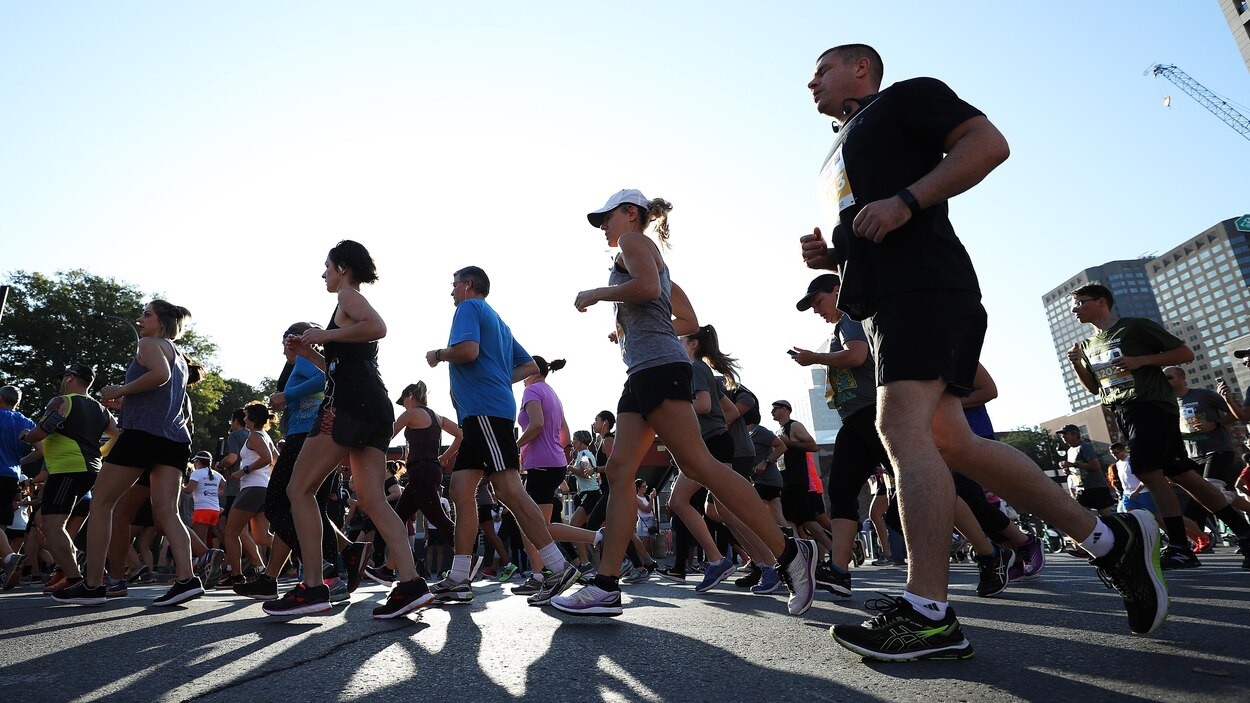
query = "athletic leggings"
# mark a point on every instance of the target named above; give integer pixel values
(278, 505)
(421, 493)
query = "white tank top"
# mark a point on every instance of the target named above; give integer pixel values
(259, 476)
(206, 481)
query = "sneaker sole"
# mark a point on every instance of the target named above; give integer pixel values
(81, 601)
(833, 588)
(411, 606)
(258, 596)
(302, 610)
(671, 579)
(607, 611)
(768, 592)
(453, 597)
(1150, 534)
(379, 581)
(180, 598)
(961, 650)
(705, 586)
(805, 604)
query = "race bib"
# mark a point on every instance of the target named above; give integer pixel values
(1109, 376)
(835, 186)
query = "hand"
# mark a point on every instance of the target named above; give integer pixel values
(1206, 426)
(237, 474)
(1075, 354)
(1223, 389)
(759, 468)
(447, 459)
(881, 217)
(431, 359)
(315, 336)
(296, 345)
(612, 337)
(277, 401)
(816, 251)
(805, 357)
(584, 300)
(41, 478)
(1129, 363)
(114, 404)
(111, 393)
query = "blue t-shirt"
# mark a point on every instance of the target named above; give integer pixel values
(484, 387)
(11, 448)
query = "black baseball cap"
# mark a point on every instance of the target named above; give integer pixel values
(1241, 353)
(1069, 428)
(408, 390)
(82, 371)
(825, 282)
(783, 403)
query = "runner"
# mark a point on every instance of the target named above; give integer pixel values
(12, 423)
(204, 486)
(650, 312)
(256, 459)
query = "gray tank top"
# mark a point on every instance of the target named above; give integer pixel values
(645, 330)
(160, 411)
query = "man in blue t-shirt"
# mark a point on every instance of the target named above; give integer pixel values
(12, 424)
(485, 362)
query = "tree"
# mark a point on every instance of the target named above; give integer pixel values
(1035, 443)
(54, 321)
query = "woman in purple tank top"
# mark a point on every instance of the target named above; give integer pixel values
(154, 447)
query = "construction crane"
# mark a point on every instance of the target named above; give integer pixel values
(1212, 102)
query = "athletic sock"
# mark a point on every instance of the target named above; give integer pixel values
(836, 569)
(1100, 541)
(1235, 520)
(606, 583)
(552, 558)
(1175, 528)
(929, 608)
(789, 553)
(461, 565)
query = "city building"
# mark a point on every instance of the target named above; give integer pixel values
(1134, 297)
(1237, 13)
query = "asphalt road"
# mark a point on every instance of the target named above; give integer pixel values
(1061, 638)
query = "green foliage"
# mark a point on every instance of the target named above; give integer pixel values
(49, 324)
(1034, 442)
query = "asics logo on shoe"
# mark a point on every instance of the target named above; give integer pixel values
(901, 637)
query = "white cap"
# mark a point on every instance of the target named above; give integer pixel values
(629, 195)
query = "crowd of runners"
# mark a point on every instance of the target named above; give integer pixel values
(101, 488)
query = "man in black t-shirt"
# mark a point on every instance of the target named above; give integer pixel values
(900, 154)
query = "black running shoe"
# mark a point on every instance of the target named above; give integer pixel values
(355, 559)
(995, 571)
(750, 579)
(1132, 568)
(300, 600)
(380, 575)
(81, 594)
(404, 598)
(261, 588)
(899, 633)
(669, 573)
(1174, 558)
(181, 592)
(1243, 544)
(834, 581)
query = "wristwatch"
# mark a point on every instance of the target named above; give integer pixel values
(910, 200)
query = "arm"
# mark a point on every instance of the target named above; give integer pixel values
(702, 402)
(457, 434)
(152, 356)
(564, 433)
(729, 409)
(314, 383)
(49, 421)
(190, 486)
(1171, 357)
(685, 321)
(779, 448)
(983, 389)
(365, 324)
(854, 356)
(33, 457)
(461, 353)
(524, 371)
(534, 409)
(257, 444)
(644, 282)
(1236, 409)
(800, 439)
(1076, 357)
(401, 422)
(112, 431)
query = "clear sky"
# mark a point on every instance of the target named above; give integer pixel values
(214, 153)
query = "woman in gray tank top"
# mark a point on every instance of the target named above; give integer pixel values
(650, 312)
(155, 444)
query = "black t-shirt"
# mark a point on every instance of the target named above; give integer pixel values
(897, 137)
(795, 474)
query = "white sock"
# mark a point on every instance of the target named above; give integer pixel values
(1100, 541)
(460, 566)
(552, 558)
(929, 608)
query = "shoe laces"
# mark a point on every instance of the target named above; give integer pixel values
(885, 607)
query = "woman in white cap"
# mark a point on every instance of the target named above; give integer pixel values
(650, 312)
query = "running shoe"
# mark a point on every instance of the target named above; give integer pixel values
(585, 568)
(1030, 560)
(79, 593)
(229, 582)
(355, 561)
(214, 559)
(490, 573)
(380, 575)
(555, 584)
(451, 591)
(300, 600)
(115, 589)
(1132, 568)
(338, 590)
(857, 554)
(752, 577)
(56, 582)
(627, 568)
(261, 588)
(994, 571)
(899, 633)
(1174, 558)
(640, 575)
(886, 560)
(11, 572)
(476, 566)
(671, 573)
(181, 592)
(532, 585)
(589, 600)
(505, 574)
(715, 572)
(832, 580)
(141, 575)
(770, 581)
(405, 597)
(800, 576)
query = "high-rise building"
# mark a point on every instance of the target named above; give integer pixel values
(1237, 12)
(1129, 283)
(1199, 291)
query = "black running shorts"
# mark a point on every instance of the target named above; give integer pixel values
(63, 491)
(1154, 438)
(646, 389)
(142, 450)
(488, 445)
(928, 335)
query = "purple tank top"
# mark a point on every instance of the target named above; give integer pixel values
(161, 411)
